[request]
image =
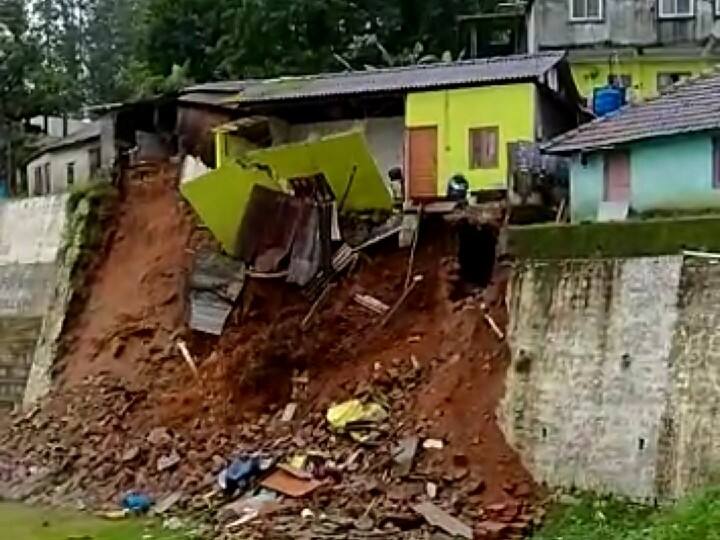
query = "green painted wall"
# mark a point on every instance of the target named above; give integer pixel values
(455, 112)
(667, 173)
(590, 74)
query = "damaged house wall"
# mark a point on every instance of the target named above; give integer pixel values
(614, 380)
(385, 137)
(30, 238)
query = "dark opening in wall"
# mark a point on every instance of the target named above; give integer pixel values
(641, 444)
(476, 252)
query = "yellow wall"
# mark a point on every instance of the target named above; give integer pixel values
(455, 112)
(228, 145)
(644, 72)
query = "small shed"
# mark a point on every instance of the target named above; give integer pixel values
(659, 155)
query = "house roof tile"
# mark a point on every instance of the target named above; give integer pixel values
(686, 107)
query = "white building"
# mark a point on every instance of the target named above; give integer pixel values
(71, 161)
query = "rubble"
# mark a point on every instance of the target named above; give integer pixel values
(267, 384)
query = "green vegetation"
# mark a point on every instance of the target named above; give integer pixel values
(619, 239)
(696, 518)
(19, 522)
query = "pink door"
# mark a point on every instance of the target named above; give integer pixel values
(617, 176)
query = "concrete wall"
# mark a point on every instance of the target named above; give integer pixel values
(665, 173)
(625, 22)
(614, 382)
(455, 112)
(629, 40)
(30, 239)
(58, 160)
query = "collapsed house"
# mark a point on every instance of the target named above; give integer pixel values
(424, 125)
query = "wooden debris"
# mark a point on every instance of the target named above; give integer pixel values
(439, 518)
(167, 503)
(316, 305)
(290, 484)
(413, 249)
(371, 303)
(416, 280)
(182, 347)
(491, 322)
(289, 412)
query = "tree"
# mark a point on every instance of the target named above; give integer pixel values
(112, 39)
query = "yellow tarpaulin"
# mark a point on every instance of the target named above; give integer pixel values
(221, 196)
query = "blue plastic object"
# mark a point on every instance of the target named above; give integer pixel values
(136, 502)
(608, 99)
(239, 474)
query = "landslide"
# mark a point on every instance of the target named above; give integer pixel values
(120, 378)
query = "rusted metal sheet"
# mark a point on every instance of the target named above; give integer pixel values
(216, 284)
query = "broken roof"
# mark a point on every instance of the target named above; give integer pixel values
(686, 107)
(391, 80)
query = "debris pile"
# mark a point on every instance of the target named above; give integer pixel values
(370, 419)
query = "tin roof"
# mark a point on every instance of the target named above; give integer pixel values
(686, 107)
(389, 80)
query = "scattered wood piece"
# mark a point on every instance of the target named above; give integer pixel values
(282, 481)
(316, 305)
(491, 322)
(183, 348)
(371, 303)
(167, 503)
(439, 518)
(413, 249)
(560, 211)
(404, 454)
(289, 412)
(416, 280)
(433, 444)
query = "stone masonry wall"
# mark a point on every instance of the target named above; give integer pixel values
(614, 384)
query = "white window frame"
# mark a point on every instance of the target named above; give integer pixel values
(675, 14)
(594, 18)
(717, 8)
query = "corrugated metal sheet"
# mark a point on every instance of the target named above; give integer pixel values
(402, 79)
(687, 107)
(216, 284)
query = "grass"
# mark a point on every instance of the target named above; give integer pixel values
(20, 522)
(649, 237)
(696, 518)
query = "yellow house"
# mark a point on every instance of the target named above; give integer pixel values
(425, 124)
(643, 76)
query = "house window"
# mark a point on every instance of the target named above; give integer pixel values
(484, 147)
(620, 81)
(70, 176)
(47, 179)
(95, 161)
(717, 7)
(668, 79)
(586, 10)
(676, 8)
(716, 163)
